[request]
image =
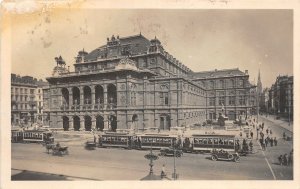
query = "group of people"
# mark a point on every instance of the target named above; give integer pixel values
(285, 159)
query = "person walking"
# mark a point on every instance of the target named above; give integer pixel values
(275, 141)
(271, 141)
(285, 159)
(266, 142)
(267, 131)
(271, 132)
(263, 146)
(251, 134)
(251, 146)
(280, 159)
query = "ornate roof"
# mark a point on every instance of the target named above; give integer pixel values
(135, 44)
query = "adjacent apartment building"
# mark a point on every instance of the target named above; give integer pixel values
(26, 100)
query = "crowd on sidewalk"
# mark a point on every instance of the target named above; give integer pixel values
(267, 139)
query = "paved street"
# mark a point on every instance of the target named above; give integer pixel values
(121, 164)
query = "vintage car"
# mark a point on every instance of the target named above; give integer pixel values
(224, 155)
(170, 152)
(90, 145)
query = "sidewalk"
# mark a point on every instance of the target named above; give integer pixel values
(282, 123)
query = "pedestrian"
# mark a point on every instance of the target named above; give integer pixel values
(266, 142)
(267, 131)
(251, 145)
(163, 172)
(283, 135)
(263, 125)
(280, 159)
(271, 132)
(291, 158)
(263, 146)
(251, 134)
(275, 141)
(271, 142)
(285, 159)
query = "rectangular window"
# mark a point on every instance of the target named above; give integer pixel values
(164, 98)
(242, 100)
(222, 100)
(212, 101)
(231, 100)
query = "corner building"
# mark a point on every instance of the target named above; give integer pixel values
(129, 83)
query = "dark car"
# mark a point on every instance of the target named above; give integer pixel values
(170, 152)
(224, 155)
(90, 145)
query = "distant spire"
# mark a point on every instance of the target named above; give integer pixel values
(259, 84)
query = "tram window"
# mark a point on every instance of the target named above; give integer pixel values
(196, 141)
(205, 141)
(230, 142)
(221, 141)
(200, 141)
(215, 141)
(225, 142)
(209, 141)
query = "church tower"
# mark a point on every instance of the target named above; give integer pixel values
(259, 85)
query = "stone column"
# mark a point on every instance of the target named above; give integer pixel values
(93, 122)
(82, 128)
(105, 120)
(93, 95)
(105, 95)
(81, 97)
(71, 124)
(70, 97)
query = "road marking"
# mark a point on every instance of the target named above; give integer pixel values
(267, 162)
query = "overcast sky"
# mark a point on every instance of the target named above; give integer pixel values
(201, 39)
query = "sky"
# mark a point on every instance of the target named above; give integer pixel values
(202, 39)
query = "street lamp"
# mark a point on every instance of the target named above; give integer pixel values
(174, 175)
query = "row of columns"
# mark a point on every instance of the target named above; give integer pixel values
(93, 122)
(81, 94)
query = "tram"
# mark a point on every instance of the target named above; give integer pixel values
(156, 140)
(113, 139)
(34, 136)
(207, 142)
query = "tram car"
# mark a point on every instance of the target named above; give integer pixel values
(210, 141)
(34, 136)
(121, 140)
(156, 140)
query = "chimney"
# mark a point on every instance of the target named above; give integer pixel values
(246, 72)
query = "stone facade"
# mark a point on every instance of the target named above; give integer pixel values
(26, 100)
(133, 83)
(281, 94)
(228, 92)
